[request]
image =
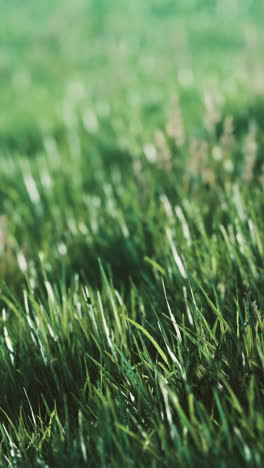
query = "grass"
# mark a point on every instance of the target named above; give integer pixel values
(131, 234)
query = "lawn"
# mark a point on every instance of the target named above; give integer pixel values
(131, 233)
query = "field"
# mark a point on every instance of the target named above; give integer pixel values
(131, 233)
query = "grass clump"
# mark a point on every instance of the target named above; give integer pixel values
(131, 237)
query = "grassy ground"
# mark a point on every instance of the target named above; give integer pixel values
(131, 233)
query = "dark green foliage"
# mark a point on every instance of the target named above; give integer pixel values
(131, 234)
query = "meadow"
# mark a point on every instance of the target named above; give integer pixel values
(131, 233)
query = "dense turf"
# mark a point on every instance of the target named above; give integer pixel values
(131, 234)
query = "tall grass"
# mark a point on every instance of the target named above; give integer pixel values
(131, 239)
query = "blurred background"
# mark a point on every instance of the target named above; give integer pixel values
(166, 94)
(124, 58)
